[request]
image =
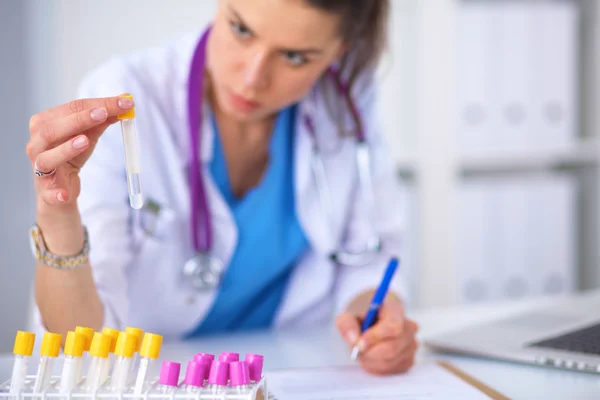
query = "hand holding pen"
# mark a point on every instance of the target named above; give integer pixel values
(382, 338)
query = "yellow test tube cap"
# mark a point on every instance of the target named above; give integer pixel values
(138, 333)
(88, 333)
(113, 334)
(51, 344)
(129, 114)
(24, 342)
(151, 345)
(75, 344)
(126, 345)
(100, 345)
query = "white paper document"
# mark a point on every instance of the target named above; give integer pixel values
(426, 381)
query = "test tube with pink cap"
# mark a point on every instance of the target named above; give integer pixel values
(255, 366)
(195, 375)
(168, 380)
(218, 376)
(239, 377)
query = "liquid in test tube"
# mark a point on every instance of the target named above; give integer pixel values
(48, 352)
(132, 158)
(23, 350)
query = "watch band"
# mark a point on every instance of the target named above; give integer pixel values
(42, 255)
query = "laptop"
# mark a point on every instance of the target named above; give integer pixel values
(565, 335)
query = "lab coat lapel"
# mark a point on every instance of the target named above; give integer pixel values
(313, 277)
(308, 206)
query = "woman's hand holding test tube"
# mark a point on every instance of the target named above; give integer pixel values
(61, 140)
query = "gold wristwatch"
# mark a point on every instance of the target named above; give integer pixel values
(44, 256)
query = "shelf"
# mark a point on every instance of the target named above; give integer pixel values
(585, 153)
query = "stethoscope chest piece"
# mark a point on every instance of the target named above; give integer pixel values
(203, 272)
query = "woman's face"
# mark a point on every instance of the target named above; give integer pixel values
(264, 55)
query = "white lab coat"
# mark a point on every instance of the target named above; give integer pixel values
(139, 277)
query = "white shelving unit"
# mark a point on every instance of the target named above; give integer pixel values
(419, 103)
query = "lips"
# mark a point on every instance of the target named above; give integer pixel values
(242, 103)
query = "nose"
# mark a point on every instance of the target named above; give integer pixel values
(255, 71)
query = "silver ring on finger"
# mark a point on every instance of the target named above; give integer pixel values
(41, 174)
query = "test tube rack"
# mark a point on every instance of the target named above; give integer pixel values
(151, 391)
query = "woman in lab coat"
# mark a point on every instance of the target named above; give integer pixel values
(253, 217)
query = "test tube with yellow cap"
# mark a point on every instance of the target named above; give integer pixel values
(149, 353)
(22, 350)
(113, 334)
(124, 350)
(48, 352)
(139, 335)
(99, 354)
(132, 158)
(71, 372)
(88, 334)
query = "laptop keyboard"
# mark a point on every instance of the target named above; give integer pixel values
(586, 340)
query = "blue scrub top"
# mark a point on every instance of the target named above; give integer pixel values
(270, 239)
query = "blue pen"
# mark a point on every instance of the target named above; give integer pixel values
(377, 300)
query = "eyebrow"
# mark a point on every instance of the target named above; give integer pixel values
(310, 50)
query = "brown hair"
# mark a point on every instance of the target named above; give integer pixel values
(363, 27)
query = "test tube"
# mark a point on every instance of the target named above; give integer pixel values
(218, 376)
(169, 376)
(124, 351)
(195, 375)
(88, 334)
(255, 366)
(99, 354)
(139, 335)
(239, 375)
(71, 372)
(113, 334)
(149, 352)
(132, 159)
(48, 352)
(23, 349)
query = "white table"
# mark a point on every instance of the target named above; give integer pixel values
(322, 346)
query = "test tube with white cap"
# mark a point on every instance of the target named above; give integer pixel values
(132, 158)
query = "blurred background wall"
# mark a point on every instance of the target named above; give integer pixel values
(490, 107)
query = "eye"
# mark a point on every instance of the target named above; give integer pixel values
(240, 30)
(296, 59)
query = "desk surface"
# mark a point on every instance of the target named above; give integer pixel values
(322, 347)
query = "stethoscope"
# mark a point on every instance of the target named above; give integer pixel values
(204, 270)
